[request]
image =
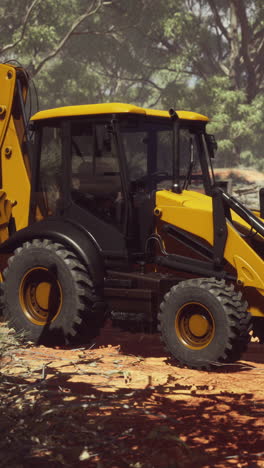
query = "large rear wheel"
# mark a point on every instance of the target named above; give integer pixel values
(204, 322)
(49, 294)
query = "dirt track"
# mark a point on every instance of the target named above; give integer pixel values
(123, 403)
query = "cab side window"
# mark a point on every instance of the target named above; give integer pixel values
(50, 182)
(96, 183)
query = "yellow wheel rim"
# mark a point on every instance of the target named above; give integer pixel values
(40, 296)
(194, 325)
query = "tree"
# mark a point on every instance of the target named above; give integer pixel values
(208, 55)
(203, 55)
(31, 34)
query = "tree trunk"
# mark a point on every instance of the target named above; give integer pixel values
(234, 74)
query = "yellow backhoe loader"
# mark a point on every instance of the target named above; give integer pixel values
(113, 210)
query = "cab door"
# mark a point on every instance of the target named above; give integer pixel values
(96, 194)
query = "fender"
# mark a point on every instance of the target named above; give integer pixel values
(70, 234)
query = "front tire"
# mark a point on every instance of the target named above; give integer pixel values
(49, 295)
(204, 322)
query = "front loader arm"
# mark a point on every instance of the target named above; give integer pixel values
(193, 212)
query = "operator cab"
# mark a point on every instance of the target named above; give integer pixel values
(101, 165)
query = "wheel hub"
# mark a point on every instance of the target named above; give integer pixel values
(40, 296)
(194, 325)
(198, 325)
(42, 293)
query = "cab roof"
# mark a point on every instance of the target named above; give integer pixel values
(111, 108)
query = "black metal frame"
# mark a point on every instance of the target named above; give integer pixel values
(176, 188)
(188, 240)
(188, 264)
(242, 211)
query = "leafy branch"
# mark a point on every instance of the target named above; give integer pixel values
(23, 25)
(92, 10)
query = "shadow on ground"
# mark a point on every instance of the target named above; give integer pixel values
(55, 422)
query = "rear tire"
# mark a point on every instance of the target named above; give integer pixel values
(49, 295)
(204, 322)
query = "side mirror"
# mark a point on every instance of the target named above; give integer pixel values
(261, 202)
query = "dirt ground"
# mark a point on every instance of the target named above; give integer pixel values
(124, 403)
(246, 174)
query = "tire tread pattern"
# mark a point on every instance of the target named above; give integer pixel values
(239, 320)
(89, 315)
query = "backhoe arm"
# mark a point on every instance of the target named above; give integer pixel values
(15, 167)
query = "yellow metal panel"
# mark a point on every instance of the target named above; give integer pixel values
(256, 311)
(191, 211)
(111, 108)
(7, 80)
(5, 215)
(15, 180)
(248, 264)
(92, 109)
(182, 114)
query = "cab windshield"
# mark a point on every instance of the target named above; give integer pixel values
(148, 148)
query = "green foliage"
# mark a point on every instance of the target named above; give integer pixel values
(238, 125)
(185, 54)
